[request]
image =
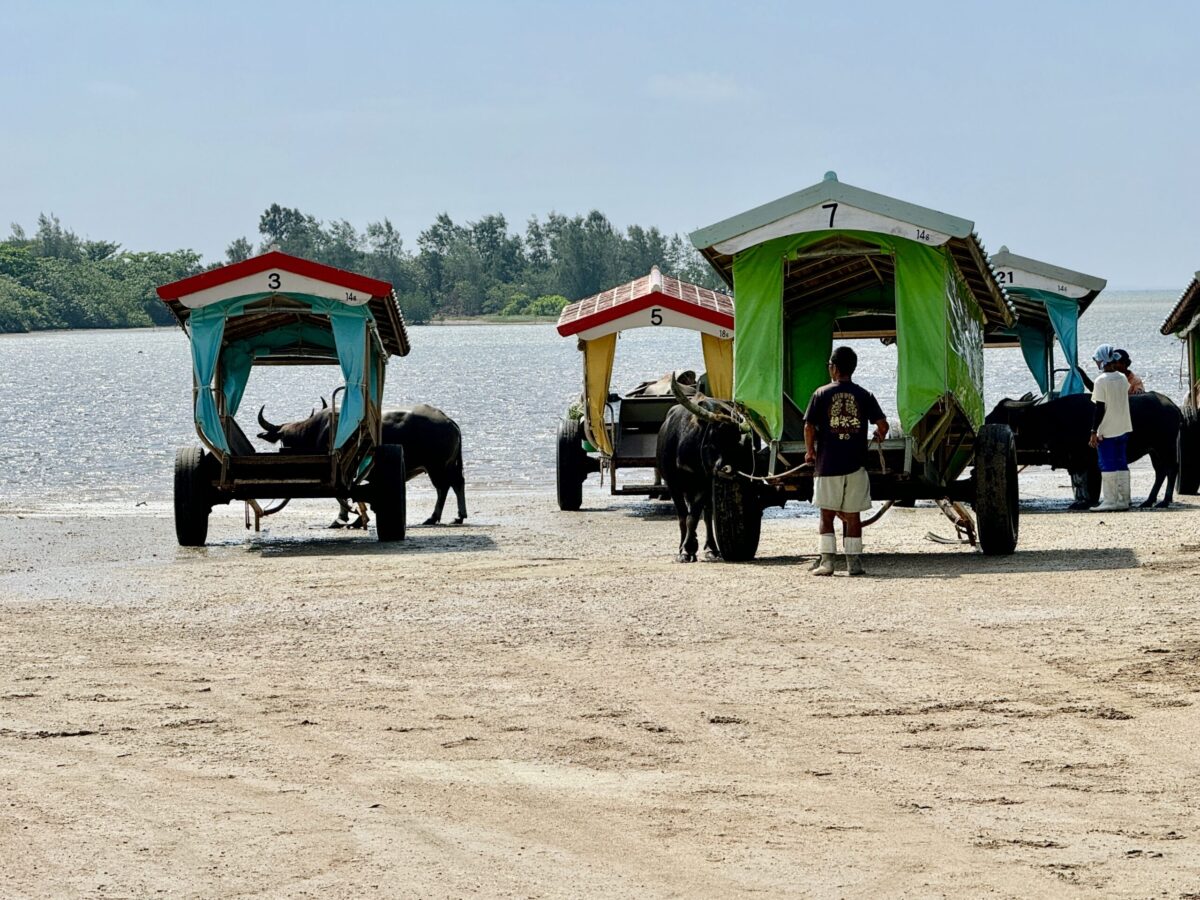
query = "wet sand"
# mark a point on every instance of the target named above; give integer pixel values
(542, 704)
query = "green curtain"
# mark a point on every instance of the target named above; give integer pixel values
(939, 331)
(808, 340)
(758, 343)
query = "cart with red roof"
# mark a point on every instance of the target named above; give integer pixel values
(281, 310)
(607, 432)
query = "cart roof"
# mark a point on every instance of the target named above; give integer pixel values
(277, 276)
(1181, 321)
(1022, 272)
(831, 205)
(632, 305)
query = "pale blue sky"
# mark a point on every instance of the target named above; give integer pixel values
(1068, 131)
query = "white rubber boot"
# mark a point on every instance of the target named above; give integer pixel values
(1109, 493)
(854, 564)
(1123, 497)
(828, 551)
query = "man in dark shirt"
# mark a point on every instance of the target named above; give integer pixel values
(835, 438)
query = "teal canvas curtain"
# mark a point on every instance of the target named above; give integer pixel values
(1063, 313)
(1064, 319)
(238, 357)
(207, 328)
(1035, 347)
(350, 334)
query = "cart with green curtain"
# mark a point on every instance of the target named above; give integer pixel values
(281, 310)
(835, 262)
(606, 432)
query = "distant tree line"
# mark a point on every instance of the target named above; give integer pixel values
(55, 279)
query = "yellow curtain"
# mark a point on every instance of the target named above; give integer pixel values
(718, 360)
(598, 356)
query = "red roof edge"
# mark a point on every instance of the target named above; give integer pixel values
(274, 259)
(654, 298)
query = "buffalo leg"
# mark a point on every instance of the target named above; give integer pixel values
(460, 491)
(1086, 484)
(343, 516)
(710, 542)
(1164, 471)
(681, 513)
(442, 484)
(695, 505)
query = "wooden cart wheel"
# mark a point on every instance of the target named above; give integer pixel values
(997, 496)
(193, 497)
(388, 492)
(736, 518)
(1189, 452)
(572, 465)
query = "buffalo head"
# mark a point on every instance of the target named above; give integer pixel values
(728, 444)
(307, 435)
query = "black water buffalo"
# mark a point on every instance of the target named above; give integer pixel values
(698, 438)
(431, 440)
(1059, 428)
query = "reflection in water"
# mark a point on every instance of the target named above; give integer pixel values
(95, 416)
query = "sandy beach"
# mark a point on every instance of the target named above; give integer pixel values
(542, 704)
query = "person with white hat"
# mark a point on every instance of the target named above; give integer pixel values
(1110, 430)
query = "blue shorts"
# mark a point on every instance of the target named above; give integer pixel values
(1112, 453)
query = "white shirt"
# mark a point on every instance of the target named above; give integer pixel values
(1112, 389)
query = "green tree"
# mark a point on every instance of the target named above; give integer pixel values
(239, 249)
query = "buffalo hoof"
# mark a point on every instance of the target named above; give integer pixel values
(431, 521)
(712, 556)
(360, 522)
(685, 558)
(338, 523)
(1147, 503)
(1163, 504)
(1080, 505)
(459, 520)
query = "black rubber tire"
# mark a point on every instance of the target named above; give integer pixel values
(736, 518)
(389, 499)
(572, 466)
(1189, 452)
(997, 494)
(193, 496)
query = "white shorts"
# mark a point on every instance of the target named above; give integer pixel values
(843, 493)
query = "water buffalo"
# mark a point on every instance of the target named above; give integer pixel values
(1059, 428)
(431, 440)
(698, 438)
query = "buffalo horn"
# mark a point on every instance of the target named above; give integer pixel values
(324, 405)
(695, 409)
(262, 421)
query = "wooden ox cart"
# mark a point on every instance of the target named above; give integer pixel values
(610, 432)
(280, 310)
(835, 262)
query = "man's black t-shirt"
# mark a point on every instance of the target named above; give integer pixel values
(841, 412)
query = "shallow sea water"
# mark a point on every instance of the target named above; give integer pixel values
(93, 418)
